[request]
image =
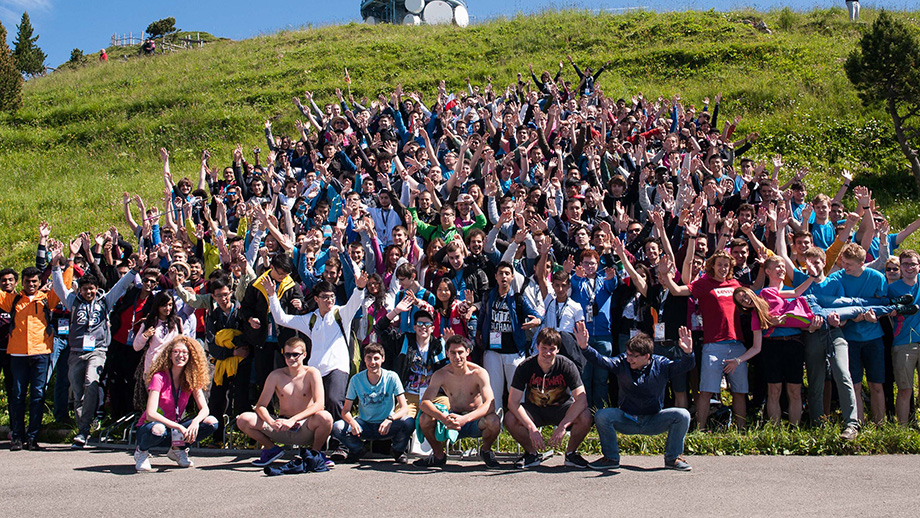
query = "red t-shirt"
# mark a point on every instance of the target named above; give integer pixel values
(720, 318)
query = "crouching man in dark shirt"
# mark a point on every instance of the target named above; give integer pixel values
(642, 378)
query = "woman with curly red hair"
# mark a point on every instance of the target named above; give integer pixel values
(179, 372)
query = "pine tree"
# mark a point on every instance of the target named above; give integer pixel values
(29, 58)
(885, 69)
(10, 78)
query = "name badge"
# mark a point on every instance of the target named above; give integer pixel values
(696, 322)
(63, 327)
(130, 340)
(177, 438)
(633, 332)
(495, 339)
(589, 314)
(89, 343)
(659, 331)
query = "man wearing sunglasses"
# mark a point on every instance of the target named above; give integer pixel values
(301, 419)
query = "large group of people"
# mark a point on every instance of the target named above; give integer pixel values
(422, 270)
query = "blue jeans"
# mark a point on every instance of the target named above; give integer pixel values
(846, 308)
(147, 438)
(400, 432)
(595, 377)
(29, 376)
(58, 367)
(675, 421)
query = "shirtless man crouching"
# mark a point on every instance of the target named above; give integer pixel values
(302, 419)
(472, 406)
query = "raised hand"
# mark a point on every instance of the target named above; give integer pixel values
(581, 334)
(686, 340)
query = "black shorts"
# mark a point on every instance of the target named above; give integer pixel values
(546, 415)
(783, 361)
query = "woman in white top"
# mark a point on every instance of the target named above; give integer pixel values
(159, 327)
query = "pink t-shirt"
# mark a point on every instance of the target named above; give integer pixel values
(720, 319)
(166, 406)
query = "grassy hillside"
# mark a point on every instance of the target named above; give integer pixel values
(84, 136)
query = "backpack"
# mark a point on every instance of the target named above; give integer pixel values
(350, 340)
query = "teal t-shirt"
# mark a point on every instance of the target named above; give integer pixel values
(375, 402)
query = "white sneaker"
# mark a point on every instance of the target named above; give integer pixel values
(142, 461)
(180, 457)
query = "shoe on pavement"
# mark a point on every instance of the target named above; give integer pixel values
(33, 445)
(488, 457)
(849, 433)
(355, 456)
(327, 461)
(79, 441)
(574, 460)
(431, 461)
(339, 455)
(400, 457)
(268, 455)
(529, 460)
(15, 445)
(180, 457)
(679, 464)
(142, 461)
(603, 464)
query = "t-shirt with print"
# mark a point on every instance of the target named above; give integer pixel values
(166, 404)
(501, 326)
(377, 401)
(420, 372)
(720, 321)
(546, 389)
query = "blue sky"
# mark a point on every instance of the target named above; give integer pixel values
(89, 24)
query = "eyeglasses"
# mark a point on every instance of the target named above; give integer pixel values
(893, 269)
(424, 324)
(326, 296)
(292, 356)
(177, 352)
(909, 265)
(149, 281)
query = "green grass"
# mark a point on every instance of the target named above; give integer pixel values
(84, 136)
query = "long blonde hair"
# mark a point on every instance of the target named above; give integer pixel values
(195, 375)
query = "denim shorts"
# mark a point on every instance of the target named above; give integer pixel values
(711, 370)
(470, 429)
(869, 355)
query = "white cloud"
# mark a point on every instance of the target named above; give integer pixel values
(25, 5)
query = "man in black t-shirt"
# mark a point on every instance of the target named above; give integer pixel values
(553, 394)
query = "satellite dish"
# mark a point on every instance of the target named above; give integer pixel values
(370, 20)
(438, 12)
(415, 6)
(412, 19)
(461, 16)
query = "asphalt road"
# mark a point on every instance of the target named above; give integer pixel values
(60, 482)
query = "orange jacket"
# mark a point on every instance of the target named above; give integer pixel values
(29, 335)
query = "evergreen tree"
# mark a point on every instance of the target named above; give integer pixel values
(885, 69)
(10, 78)
(29, 58)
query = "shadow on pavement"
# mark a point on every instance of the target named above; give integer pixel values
(112, 469)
